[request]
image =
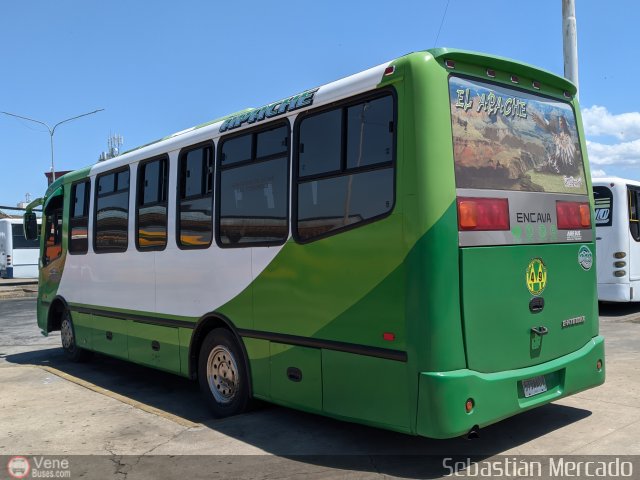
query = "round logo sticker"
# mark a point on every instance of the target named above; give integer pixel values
(585, 257)
(18, 467)
(536, 276)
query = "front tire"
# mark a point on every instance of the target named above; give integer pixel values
(222, 374)
(68, 337)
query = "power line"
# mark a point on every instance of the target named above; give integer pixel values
(441, 23)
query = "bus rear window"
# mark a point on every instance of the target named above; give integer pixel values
(506, 139)
(603, 198)
(17, 230)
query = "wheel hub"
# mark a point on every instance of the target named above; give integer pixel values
(222, 374)
(66, 334)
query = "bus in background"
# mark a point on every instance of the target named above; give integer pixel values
(18, 256)
(409, 247)
(617, 217)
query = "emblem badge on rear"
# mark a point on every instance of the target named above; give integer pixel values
(585, 258)
(536, 276)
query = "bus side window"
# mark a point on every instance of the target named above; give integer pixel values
(194, 222)
(53, 239)
(111, 213)
(634, 217)
(345, 174)
(254, 192)
(79, 218)
(151, 217)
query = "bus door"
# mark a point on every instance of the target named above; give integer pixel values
(52, 258)
(633, 263)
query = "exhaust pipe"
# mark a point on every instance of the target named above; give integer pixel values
(473, 433)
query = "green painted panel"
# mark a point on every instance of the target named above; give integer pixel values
(118, 329)
(308, 286)
(185, 342)
(141, 340)
(367, 388)
(82, 325)
(306, 393)
(441, 403)
(497, 318)
(259, 365)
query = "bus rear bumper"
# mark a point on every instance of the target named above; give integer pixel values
(443, 395)
(618, 292)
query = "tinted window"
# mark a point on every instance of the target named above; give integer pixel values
(254, 196)
(195, 199)
(79, 218)
(603, 206)
(79, 198)
(17, 231)
(349, 150)
(634, 213)
(334, 203)
(272, 142)
(319, 143)
(112, 212)
(152, 205)
(236, 150)
(370, 134)
(195, 172)
(253, 203)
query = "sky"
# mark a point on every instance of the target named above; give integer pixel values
(160, 67)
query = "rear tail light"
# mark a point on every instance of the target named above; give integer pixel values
(483, 214)
(573, 215)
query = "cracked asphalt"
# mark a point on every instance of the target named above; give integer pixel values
(137, 417)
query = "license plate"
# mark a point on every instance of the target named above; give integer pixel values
(534, 386)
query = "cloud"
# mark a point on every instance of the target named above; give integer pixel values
(598, 173)
(625, 153)
(598, 121)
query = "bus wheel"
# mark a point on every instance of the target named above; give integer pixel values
(68, 336)
(222, 374)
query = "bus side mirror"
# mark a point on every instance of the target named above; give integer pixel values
(30, 226)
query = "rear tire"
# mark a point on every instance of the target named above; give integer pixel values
(222, 374)
(68, 336)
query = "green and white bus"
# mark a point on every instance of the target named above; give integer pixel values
(410, 247)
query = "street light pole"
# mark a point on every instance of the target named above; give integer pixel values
(52, 131)
(570, 41)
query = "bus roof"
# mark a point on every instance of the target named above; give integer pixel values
(605, 181)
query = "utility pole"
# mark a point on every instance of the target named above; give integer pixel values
(570, 41)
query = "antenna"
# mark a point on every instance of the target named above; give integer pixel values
(114, 142)
(27, 201)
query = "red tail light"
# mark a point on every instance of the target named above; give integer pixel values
(573, 215)
(483, 214)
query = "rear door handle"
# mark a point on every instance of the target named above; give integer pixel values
(541, 331)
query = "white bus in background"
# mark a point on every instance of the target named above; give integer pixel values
(617, 214)
(18, 256)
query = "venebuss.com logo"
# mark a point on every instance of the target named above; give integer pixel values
(38, 467)
(18, 467)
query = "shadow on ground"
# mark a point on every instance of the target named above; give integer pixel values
(612, 309)
(302, 437)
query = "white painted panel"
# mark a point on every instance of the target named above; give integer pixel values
(121, 279)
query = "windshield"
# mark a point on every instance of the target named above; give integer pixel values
(506, 139)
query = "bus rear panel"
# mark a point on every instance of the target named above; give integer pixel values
(526, 253)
